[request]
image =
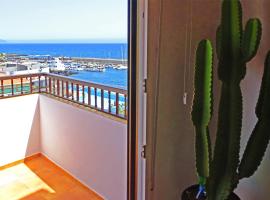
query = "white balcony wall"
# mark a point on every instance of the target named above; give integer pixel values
(19, 128)
(88, 145)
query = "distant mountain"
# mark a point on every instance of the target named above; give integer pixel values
(3, 41)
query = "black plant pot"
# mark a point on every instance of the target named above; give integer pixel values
(191, 192)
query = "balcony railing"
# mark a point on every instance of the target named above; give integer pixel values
(99, 97)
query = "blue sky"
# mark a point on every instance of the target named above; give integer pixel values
(63, 20)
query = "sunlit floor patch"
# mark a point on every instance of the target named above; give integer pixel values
(19, 181)
(40, 179)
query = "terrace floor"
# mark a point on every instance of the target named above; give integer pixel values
(38, 178)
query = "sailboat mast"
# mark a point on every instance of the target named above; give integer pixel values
(122, 55)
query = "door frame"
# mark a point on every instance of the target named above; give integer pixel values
(137, 47)
(142, 96)
(132, 101)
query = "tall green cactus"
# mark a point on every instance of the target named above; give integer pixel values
(235, 47)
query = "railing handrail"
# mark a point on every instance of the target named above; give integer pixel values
(87, 83)
(64, 78)
(107, 99)
(8, 77)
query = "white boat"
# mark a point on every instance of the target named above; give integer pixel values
(96, 69)
(80, 69)
(121, 67)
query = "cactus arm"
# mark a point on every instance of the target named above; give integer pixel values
(260, 136)
(251, 39)
(255, 149)
(202, 104)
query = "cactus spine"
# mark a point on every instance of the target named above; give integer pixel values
(235, 47)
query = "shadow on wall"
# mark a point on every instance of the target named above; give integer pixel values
(33, 145)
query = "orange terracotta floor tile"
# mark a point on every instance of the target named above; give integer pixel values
(40, 179)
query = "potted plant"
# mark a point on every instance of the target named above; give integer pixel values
(220, 173)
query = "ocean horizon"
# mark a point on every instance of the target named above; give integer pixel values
(83, 50)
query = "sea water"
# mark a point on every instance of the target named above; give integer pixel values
(109, 51)
(111, 77)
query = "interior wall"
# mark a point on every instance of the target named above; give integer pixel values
(170, 163)
(93, 148)
(20, 128)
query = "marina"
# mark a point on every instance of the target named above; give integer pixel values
(99, 63)
(103, 71)
(18, 64)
